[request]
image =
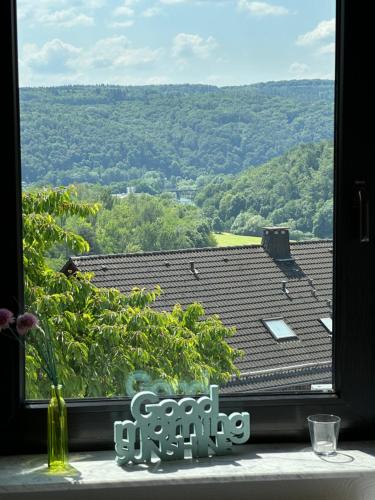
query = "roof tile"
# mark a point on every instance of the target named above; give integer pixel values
(243, 289)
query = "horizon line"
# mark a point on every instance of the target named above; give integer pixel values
(174, 84)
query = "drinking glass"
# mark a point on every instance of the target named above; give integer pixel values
(324, 431)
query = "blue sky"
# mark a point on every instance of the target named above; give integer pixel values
(138, 42)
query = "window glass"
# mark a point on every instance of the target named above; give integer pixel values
(177, 170)
(327, 322)
(279, 329)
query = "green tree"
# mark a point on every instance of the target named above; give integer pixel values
(142, 222)
(249, 224)
(102, 335)
(296, 187)
(323, 220)
(83, 134)
(217, 224)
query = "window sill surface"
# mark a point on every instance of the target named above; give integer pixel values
(251, 466)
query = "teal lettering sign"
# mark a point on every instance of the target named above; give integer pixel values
(167, 428)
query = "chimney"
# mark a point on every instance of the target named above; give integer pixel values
(275, 242)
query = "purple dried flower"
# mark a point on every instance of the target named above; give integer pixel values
(6, 318)
(25, 323)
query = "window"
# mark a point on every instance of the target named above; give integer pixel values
(327, 323)
(277, 416)
(279, 329)
(201, 160)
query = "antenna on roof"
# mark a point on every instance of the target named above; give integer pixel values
(193, 271)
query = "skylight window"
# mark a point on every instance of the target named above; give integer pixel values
(279, 329)
(327, 323)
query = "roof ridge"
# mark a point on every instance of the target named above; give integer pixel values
(187, 250)
(165, 252)
(309, 242)
(288, 368)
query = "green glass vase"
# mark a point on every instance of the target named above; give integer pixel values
(57, 431)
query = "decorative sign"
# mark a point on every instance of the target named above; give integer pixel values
(169, 427)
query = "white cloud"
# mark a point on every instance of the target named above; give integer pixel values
(59, 13)
(136, 57)
(327, 49)
(194, 2)
(122, 24)
(124, 10)
(27, 10)
(93, 4)
(325, 29)
(262, 8)
(54, 56)
(124, 78)
(186, 45)
(113, 59)
(172, 2)
(151, 12)
(66, 18)
(299, 70)
(115, 52)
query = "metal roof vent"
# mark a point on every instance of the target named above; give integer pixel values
(275, 242)
(313, 289)
(193, 270)
(284, 287)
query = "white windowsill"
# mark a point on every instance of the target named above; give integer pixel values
(252, 471)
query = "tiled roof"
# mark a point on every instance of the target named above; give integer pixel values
(291, 378)
(243, 285)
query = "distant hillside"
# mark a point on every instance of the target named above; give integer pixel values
(108, 134)
(295, 189)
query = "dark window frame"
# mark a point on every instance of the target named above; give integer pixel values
(275, 417)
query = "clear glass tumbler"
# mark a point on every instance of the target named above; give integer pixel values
(324, 431)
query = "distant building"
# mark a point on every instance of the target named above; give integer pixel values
(278, 295)
(129, 190)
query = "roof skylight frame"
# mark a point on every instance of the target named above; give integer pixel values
(280, 337)
(327, 323)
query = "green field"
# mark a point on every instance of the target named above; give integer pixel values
(231, 240)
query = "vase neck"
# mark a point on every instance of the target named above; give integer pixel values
(56, 391)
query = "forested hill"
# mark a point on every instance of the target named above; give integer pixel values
(113, 135)
(295, 190)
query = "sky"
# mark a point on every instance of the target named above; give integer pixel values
(143, 42)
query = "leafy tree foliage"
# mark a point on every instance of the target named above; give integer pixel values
(249, 224)
(148, 223)
(150, 136)
(138, 222)
(102, 335)
(293, 190)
